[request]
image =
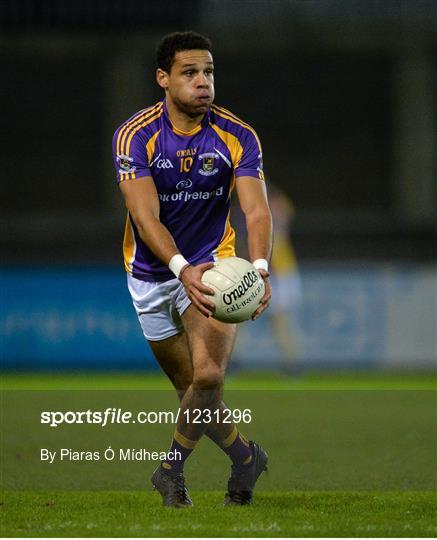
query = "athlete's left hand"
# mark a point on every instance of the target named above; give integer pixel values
(267, 295)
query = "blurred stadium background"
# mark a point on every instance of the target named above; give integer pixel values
(342, 94)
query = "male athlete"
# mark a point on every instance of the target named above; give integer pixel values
(177, 164)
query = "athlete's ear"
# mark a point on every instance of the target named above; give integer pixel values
(162, 78)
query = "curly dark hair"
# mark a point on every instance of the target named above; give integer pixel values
(179, 41)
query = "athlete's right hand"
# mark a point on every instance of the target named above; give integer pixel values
(191, 277)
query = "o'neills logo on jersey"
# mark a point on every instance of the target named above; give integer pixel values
(241, 289)
(186, 196)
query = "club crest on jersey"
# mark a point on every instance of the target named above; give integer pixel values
(208, 163)
(125, 164)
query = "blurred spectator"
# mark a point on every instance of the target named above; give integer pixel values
(284, 277)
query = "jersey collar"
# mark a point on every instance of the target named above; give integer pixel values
(204, 123)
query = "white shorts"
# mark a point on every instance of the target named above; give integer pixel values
(159, 306)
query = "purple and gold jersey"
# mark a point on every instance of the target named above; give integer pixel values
(194, 173)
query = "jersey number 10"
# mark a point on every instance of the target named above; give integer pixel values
(186, 163)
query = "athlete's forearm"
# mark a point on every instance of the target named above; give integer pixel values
(259, 235)
(142, 201)
(157, 238)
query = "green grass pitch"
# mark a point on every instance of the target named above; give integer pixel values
(319, 500)
(140, 514)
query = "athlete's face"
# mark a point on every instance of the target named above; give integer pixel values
(190, 83)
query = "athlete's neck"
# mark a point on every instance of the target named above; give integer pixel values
(181, 120)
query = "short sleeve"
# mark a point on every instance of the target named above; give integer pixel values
(251, 161)
(130, 156)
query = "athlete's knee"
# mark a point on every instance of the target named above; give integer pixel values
(207, 378)
(182, 383)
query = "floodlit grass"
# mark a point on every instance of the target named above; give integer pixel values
(315, 487)
(140, 514)
(234, 381)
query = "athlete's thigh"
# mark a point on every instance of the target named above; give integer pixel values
(174, 357)
(211, 341)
